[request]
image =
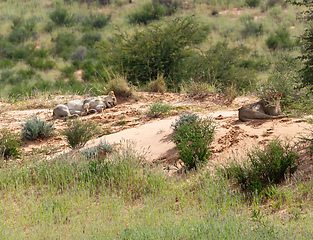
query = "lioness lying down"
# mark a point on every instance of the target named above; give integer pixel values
(262, 109)
(84, 106)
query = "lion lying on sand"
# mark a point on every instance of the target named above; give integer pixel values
(85, 106)
(262, 109)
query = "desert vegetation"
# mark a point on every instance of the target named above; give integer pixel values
(197, 48)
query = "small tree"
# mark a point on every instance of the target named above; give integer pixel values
(307, 43)
(154, 51)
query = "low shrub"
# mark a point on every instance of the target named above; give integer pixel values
(34, 128)
(100, 150)
(120, 86)
(79, 133)
(279, 40)
(79, 54)
(159, 109)
(157, 85)
(61, 17)
(9, 143)
(147, 13)
(97, 21)
(65, 44)
(197, 89)
(265, 166)
(193, 136)
(90, 38)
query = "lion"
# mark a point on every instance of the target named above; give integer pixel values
(83, 107)
(269, 109)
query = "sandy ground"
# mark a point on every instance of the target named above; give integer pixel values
(151, 136)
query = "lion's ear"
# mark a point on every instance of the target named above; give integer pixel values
(111, 93)
(279, 94)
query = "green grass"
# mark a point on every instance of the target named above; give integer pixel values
(62, 198)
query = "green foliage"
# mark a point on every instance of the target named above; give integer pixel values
(22, 30)
(65, 44)
(280, 40)
(147, 13)
(153, 51)
(193, 136)
(79, 54)
(159, 109)
(90, 38)
(251, 28)
(61, 17)
(265, 167)
(9, 143)
(98, 21)
(221, 67)
(34, 128)
(78, 133)
(284, 78)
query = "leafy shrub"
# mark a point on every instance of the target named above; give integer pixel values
(9, 143)
(184, 119)
(97, 21)
(61, 17)
(79, 54)
(90, 38)
(22, 30)
(35, 128)
(147, 13)
(65, 44)
(12, 77)
(79, 133)
(221, 67)
(153, 51)
(264, 167)
(193, 136)
(280, 40)
(6, 63)
(159, 109)
(40, 63)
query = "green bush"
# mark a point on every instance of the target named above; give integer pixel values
(65, 44)
(9, 143)
(159, 109)
(153, 51)
(22, 30)
(35, 128)
(97, 21)
(61, 17)
(221, 67)
(193, 136)
(41, 63)
(90, 38)
(265, 166)
(280, 40)
(79, 133)
(147, 13)
(95, 152)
